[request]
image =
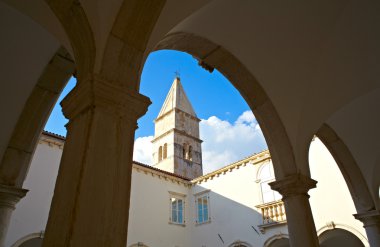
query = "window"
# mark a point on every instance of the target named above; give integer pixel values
(184, 151)
(177, 208)
(159, 153)
(165, 152)
(190, 153)
(202, 207)
(267, 176)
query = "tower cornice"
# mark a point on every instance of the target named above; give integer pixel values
(177, 110)
(176, 131)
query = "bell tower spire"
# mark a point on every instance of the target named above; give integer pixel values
(176, 143)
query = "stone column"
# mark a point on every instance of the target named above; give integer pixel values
(90, 206)
(371, 223)
(9, 197)
(299, 218)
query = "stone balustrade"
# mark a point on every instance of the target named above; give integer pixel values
(273, 213)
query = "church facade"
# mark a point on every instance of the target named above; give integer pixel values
(174, 204)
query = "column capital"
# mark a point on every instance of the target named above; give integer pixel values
(10, 196)
(296, 184)
(369, 218)
(95, 92)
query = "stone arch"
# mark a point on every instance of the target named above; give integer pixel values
(128, 38)
(30, 240)
(349, 168)
(210, 56)
(272, 241)
(239, 243)
(330, 233)
(74, 21)
(18, 154)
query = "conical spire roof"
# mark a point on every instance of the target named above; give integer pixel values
(176, 99)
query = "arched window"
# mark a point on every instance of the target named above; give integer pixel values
(184, 151)
(159, 153)
(190, 156)
(266, 176)
(165, 152)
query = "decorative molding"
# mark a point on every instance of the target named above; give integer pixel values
(178, 111)
(239, 243)
(258, 171)
(10, 196)
(160, 174)
(176, 194)
(202, 192)
(179, 132)
(369, 218)
(329, 227)
(51, 141)
(96, 91)
(296, 184)
(253, 160)
(28, 237)
(270, 240)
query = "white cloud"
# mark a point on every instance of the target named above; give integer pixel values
(142, 151)
(223, 142)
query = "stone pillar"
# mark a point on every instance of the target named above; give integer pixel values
(299, 218)
(371, 223)
(90, 205)
(9, 197)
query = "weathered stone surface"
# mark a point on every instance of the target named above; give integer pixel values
(176, 144)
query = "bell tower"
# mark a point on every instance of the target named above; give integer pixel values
(176, 144)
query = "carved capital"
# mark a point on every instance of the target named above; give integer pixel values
(10, 196)
(292, 185)
(369, 218)
(96, 93)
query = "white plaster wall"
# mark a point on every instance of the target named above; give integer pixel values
(331, 200)
(150, 211)
(31, 213)
(233, 200)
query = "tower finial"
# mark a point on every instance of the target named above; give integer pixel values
(177, 74)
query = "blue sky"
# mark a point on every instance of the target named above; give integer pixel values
(226, 118)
